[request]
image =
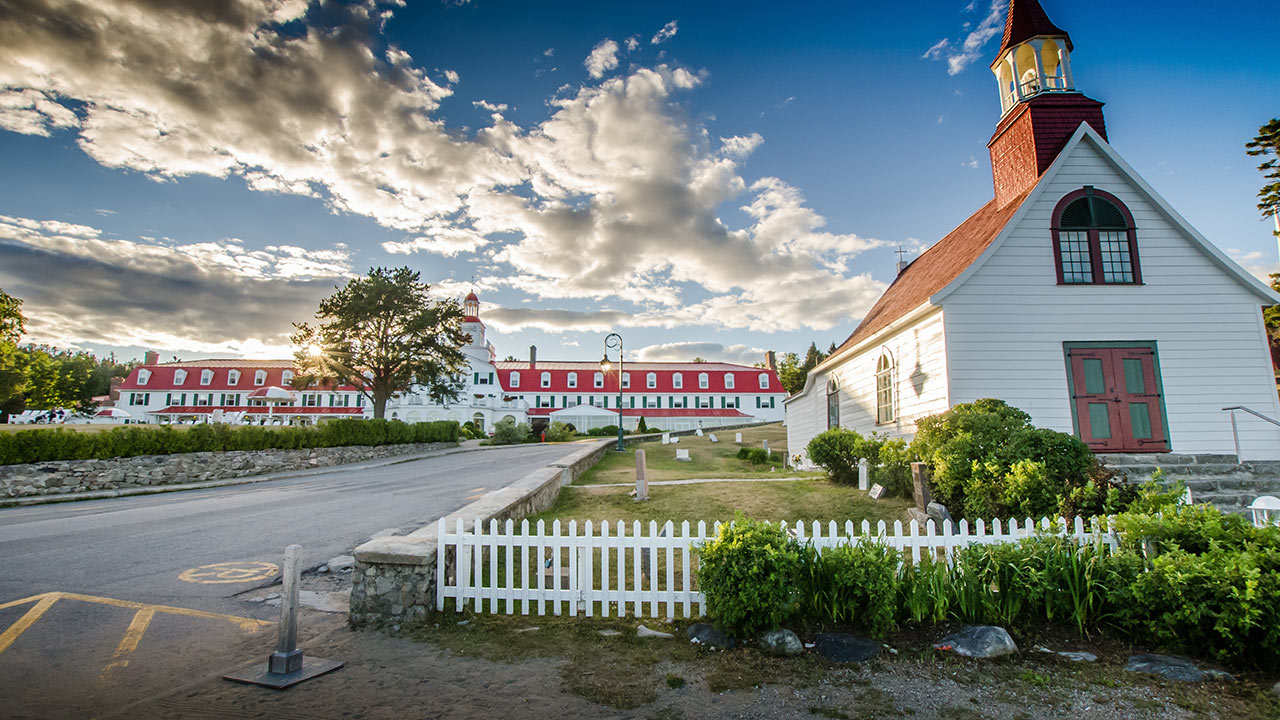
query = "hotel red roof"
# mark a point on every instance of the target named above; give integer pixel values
(746, 379)
(255, 410)
(650, 413)
(1026, 19)
(163, 376)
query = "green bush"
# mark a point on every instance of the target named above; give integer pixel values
(849, 585)
(987, 460)
(559, 432)
(509, 432)
(748, 573)
(839, 449)
(606, 431)
(51, 444)
(754, 455)
(641, 427)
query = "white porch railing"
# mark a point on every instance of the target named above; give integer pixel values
(620, 569)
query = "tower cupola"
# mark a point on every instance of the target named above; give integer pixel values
(1040, 107)
(471, 308)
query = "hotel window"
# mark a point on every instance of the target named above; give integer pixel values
(515, 379)
(626, 380)
(546, 379)
(286, 377)
(704, 402)
(339, 400)
(599, 380)
(200, 400)
(230, 399)
(144, 376)
(206, 377)
(175, 399)
(732, 402)
(651, 380)
(764, 381)
(728, 381)
(260, 377)
(310, 400)
(138, 398)
(359, 400)
(573, 379)
(677, 381)
(179, 377)
(233, 377)
(703, 381)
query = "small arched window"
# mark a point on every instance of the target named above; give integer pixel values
(728, 381)
(703, 383)
(833, 402)
(514, 379)
(546, 379)
(651, 380)
(286, 377)
(573, 379)
(260, 377)
(764, 381)
(598, 380)
(1094, 240)
(677, 381)
(179, 377)
(886, 408)
(206, 377)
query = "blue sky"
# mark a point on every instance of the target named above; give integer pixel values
(711, 179)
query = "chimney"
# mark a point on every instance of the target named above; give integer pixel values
(771, 361)
(114, 392)
(150, 357)
(533, 356)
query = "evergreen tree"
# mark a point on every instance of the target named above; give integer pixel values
(1267, 146)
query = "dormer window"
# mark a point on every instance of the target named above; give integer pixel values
(728, 381)
(626, 380)
(179, 377)
(651, 380)
(764, 381)
(144, 376)
(206, 377)
(260, 377)
(677, 381)
(514, 379)
(703, 381)
(599, 381)
(286, 377)
(1095, 241)
(546, 379)
(233, 377)
(573, 379)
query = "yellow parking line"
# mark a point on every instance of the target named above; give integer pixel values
(24, 601)
(26, 621)
(129, 642)
(244, 622)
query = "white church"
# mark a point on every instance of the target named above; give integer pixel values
(1076, 294)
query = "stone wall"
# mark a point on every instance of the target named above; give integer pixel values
(74, 476)
(394, 578)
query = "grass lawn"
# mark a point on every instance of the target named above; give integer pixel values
(709, 460)
(806, 499)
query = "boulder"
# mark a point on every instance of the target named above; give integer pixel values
(1172, 667)
(979, 641)
(845, 648)
(644, 632)
(708, 636)
(781, 642)
(938, 512)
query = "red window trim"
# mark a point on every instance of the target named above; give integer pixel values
(1095, 245)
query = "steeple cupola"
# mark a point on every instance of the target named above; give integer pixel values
(471, 308)
(1040, 107)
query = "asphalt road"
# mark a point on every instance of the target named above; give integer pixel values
(128, 626)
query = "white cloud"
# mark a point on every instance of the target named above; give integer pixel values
(962, 53)
(971, 163)
(667, 32)
(709, 351)
(739, 147)
(603, 58)
(632, 43)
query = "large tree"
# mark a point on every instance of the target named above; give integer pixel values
(383, 334)
(1267, 146)
(12, 359)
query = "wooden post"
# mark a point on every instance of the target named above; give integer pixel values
(642, 483)
(288, 658)
(920, 479)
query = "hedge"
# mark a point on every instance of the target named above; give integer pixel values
(51, 444)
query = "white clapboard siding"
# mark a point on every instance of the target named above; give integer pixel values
(631, 569)
(1006, 325)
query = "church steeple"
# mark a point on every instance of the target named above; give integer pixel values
(1040, 107)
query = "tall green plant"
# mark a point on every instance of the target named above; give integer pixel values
(748, 573)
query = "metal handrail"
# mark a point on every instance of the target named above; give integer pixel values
(1235, 434)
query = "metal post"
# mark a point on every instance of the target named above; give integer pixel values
(288, 658)
(1235, 434)
(642, 482)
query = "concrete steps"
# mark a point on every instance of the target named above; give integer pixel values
(1220, 480)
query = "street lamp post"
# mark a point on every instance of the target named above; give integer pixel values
(613, 341)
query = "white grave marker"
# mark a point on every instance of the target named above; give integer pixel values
(698, 432)
(666, 438)
(683, 456)
(876, 491)
(862, 474)
(675, 440)
(713, 437)
(766, 449)
(738, 438)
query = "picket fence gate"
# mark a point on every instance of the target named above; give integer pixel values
(603, 570)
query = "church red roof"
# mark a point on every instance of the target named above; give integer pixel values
(1026, 20)
(936, 268)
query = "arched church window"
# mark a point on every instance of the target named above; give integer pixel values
(833, 402)
(886, 408)
(1095, 241)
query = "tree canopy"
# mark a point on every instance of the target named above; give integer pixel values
(383, 334)
(12, 322)
(1267, 146)
(792, 372)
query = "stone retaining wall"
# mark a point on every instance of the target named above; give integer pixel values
(394, 580)
(74, 476)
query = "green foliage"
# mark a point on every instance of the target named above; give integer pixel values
(987, 460)
(924, 592)
(754, 455)
(839, 449)
(509, 432)
(44, 445)
(849, 585)
(470, 431)
(12, 321)
(641, 427)
(1267, 146)
(749, 572)
(559, 432)
(606, 431)
(384, 333)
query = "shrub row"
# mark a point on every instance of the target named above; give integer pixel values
(45, 445)
(1212, 590)
(889, 460)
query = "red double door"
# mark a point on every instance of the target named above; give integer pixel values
(1116, 394)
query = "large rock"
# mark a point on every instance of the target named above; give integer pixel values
(708, 636)
(1172, 667)
(644, 632)
(979, 641)
(845, 648)
(781, 642)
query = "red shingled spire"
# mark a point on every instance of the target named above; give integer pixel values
(1027, 20)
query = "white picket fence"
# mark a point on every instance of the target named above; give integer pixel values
(605, 570)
